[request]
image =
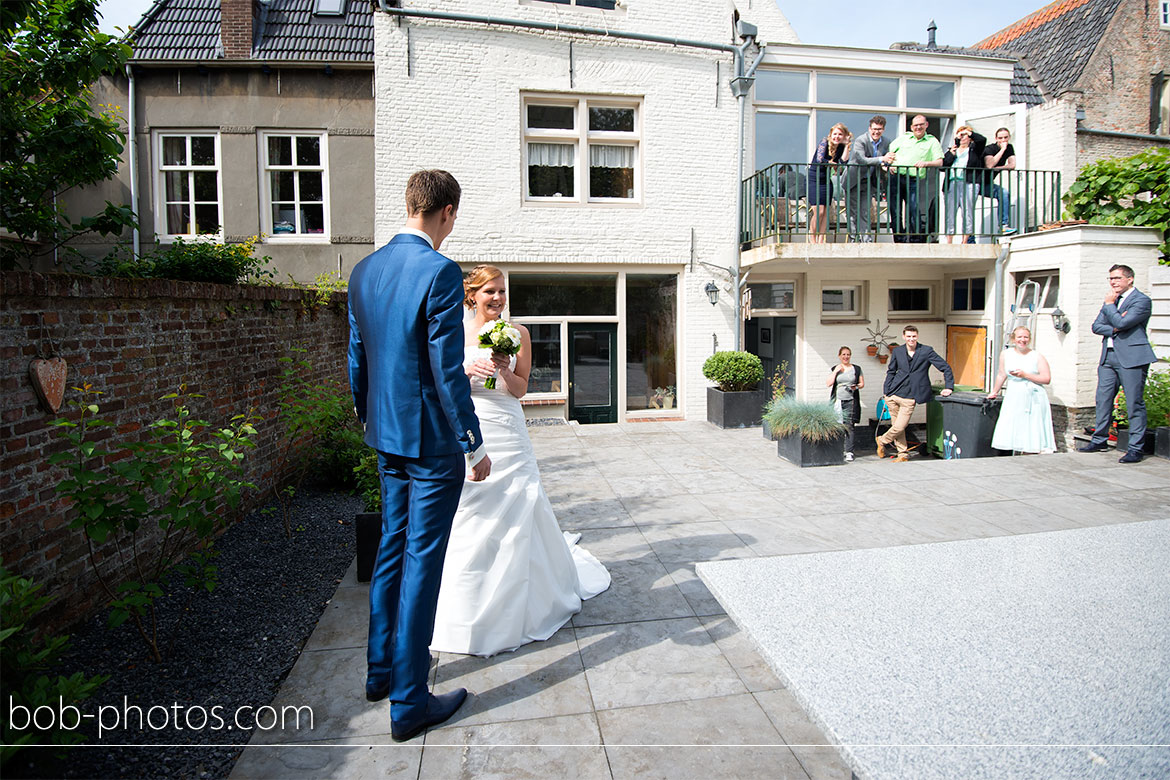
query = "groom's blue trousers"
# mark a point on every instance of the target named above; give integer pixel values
(419, 499)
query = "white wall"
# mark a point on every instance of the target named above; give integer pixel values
(1083, 255)
(1052, 139)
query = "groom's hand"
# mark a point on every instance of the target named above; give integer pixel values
(480, 471)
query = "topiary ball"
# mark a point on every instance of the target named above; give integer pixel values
(734, 371)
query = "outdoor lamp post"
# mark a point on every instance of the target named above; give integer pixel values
(712, 292)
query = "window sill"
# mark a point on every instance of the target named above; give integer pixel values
(545, 401)
(593, 204)
(914, 318)
(296, 238)
(851, 320)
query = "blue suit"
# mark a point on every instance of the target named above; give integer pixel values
(406, 373)
(1125, 364)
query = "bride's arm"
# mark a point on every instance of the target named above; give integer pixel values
(516, 380)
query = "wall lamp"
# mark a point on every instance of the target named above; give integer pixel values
(712, 292)
(1060, 321)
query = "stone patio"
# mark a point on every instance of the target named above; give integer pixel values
(652, 679)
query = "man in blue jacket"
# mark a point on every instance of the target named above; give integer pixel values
(1126, 355)
(409, 389)
(907, 385)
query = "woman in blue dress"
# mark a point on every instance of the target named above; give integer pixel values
(832, 151)
(1025, 418)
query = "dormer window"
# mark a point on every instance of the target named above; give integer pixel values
(329, 7)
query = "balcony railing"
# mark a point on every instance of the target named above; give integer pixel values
(790, 202)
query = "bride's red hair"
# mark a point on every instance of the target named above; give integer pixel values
(476, 278)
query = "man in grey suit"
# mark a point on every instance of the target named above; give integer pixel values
(863, 179)
(1125, 360)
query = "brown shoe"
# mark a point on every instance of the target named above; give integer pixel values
(902, 458)
(881, 447)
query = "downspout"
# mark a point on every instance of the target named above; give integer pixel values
(997, 334)
(133, 158)
(741, 87)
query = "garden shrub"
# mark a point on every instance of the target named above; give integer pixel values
(1125, 191)
(734, 371)
(180, 480)
(369, 482)
(194, 261)
(26, 659)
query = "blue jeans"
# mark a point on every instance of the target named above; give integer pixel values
(1005, 203)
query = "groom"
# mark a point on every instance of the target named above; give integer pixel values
(410, 391)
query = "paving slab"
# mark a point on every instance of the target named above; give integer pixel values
(1034, 656)
(656, 657)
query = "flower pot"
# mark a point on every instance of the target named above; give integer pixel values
(668, 402)
(1123, 441)
(742, 409)
(368, 529)
(883, 358)
(871, 350)
(795, 449)
(1162, 441)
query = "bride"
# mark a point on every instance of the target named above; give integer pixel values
(510, 576)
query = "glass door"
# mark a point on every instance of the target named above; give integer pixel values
(593, 372)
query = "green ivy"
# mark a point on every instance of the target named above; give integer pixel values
(1126, 191)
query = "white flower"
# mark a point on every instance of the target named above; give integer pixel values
(513, 335)
(487, 328)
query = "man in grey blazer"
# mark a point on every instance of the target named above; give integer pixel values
(863, 178)
(1125, 360)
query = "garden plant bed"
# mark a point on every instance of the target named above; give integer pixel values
(231, 648)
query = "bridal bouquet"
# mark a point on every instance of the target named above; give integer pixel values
(501, 338)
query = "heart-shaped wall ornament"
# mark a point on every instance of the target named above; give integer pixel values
(48, 380)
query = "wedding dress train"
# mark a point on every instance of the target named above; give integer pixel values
(511, 576)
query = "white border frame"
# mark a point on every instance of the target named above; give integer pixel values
(931, 293)
(157, 177)
(265, 189)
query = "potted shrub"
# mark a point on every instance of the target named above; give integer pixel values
(1157, 397)
(368, 525)
(736, 401)
(807, 432)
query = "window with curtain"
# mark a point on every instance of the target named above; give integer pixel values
(294, 186)
(189, 185)
(581, 149)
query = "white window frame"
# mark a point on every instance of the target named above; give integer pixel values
(902, 111)
(266, 222)
(951, 296)
(932, 299)
(580, 138)
(1164, 15)
(858, 300)
(574, 4)
(160, 194)
(766, 312)
(1048, 274)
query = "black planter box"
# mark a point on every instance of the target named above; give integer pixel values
(795, 449)
(1162, 442)
(735, 410)
(368, 527)
(1123, 441)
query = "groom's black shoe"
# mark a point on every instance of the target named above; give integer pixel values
(377, 691)
(1091, 447)
(439, 708)
(1131, 456)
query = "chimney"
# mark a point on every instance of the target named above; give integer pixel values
(930, 28)
(236, 23)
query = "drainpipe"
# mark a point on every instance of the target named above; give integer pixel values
(997, 334)
(740, 87)
(133, 158)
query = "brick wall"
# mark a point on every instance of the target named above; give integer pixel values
(135, 341)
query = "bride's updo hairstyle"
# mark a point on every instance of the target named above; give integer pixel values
(476, 278)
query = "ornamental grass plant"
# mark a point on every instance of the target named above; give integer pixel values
(814, 421)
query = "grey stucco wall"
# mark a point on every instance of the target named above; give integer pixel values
(240, 104)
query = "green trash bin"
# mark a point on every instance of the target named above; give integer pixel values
(960, 425)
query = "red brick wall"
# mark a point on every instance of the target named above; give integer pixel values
(1116, 80)
(235, 28)
(136, 341)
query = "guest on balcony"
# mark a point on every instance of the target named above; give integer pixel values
(1000, 156)
(831, 152)
(964, 171)
(864, 178)
(911, 191)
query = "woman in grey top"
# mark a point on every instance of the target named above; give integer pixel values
(845, 381)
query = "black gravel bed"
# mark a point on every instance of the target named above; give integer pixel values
(231, 648)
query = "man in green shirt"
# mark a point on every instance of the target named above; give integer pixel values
(911, 189)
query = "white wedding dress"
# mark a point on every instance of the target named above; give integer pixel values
(511, 576)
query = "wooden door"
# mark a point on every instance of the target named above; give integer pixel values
(967, 355)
